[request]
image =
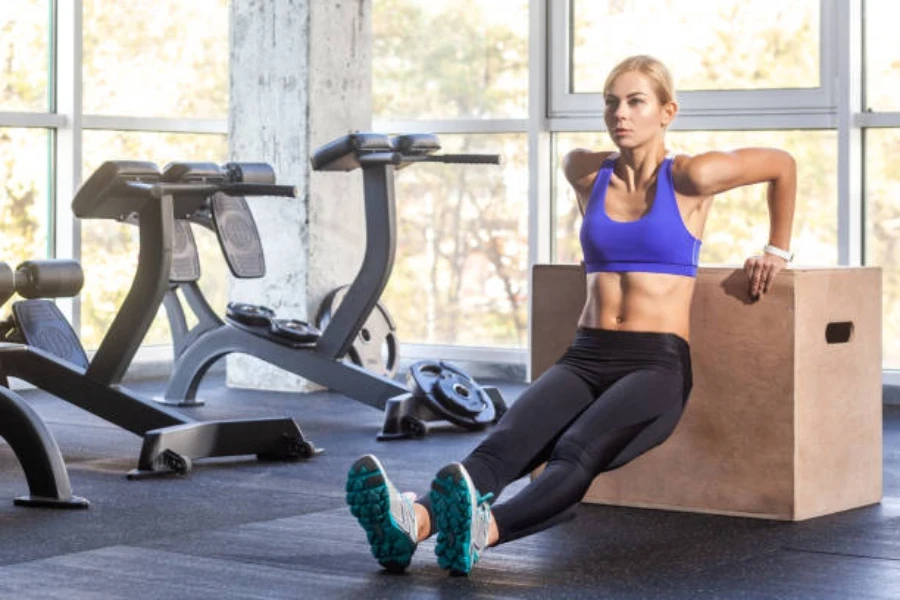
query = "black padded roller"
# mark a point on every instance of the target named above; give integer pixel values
(7, 282)
(191, 171)
(185, 258)
(417, 144)
(49, 278)
(238, 236)
(250, 172)
(343, 153)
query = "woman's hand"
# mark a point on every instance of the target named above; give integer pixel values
(761, 271)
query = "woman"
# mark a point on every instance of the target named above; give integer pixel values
(621, 387)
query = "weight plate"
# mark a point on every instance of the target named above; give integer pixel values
(249, 314)
(459, 394)
(376, 347)
(422, 376)
(295, 331)
(440, 385)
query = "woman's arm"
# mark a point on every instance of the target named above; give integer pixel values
(715, 172)
(580, 167)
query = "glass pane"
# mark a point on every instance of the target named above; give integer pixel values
(156, 59)
(460, 275)
(738, 224)
(882, 55)
(109, 249)
(25, 55)
(24, 193)
(726, 45)
(883, 230)
(450, 59)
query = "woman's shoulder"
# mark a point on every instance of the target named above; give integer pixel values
(580, 165)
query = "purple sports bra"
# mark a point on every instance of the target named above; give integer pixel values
(659, 242)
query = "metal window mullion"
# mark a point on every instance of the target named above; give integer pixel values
(877, 119)
(559, 62)
(848, 88)
(155, 124)
(540, 164)
(67, 168)
(36, 120)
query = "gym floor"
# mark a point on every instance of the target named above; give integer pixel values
(245, 529)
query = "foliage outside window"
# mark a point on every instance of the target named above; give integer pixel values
(883, 229)
(448, 59)
(725, 45)
(461, 271)
(166, 58)
(882, 55)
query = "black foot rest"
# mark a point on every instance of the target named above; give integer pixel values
(43, 326)
(261, 321)
(185, 258)
(238, 236)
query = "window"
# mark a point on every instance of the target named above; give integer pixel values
(461, 270)
(726, 45)
(882, 55)
(738, 224)
(109, 249)
(731, 57)
(448, 59)
(156, 59)
(24, 181)
(883, 230)
(25, 56)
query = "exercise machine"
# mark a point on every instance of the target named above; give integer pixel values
(435, 391)
(29, 438)
(43, 349)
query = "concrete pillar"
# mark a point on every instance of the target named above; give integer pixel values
(300, 76)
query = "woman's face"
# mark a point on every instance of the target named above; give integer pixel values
(633, 113)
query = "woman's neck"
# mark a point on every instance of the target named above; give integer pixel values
(637, 167)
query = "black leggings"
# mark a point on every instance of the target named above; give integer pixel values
(611, 397)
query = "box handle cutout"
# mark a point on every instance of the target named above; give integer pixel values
(839, 332)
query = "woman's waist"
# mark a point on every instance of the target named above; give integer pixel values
(638, 302)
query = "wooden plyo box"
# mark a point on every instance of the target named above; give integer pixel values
(784, 420)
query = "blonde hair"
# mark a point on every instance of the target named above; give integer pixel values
(652, 68)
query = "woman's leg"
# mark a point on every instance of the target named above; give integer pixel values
(635, 414)
(524, 436)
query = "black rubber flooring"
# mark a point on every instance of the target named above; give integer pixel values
(245, 529)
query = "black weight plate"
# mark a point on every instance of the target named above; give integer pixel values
(295, 331)
(376, 347)
(422, 376)
(249, 314)
(459, 394)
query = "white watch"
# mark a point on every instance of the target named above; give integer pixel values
(776, 251)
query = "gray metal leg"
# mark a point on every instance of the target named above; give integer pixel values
(34, 446)
(348, 379)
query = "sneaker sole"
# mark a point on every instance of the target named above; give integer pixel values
(369, 500)
(452, 506)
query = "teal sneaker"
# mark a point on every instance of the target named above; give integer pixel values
(387, 516)
(462, 519)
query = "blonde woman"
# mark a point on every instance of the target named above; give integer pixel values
(622, 385)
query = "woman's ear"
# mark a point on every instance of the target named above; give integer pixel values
(668, 113)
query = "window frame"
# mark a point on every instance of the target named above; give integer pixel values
(564, 103)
